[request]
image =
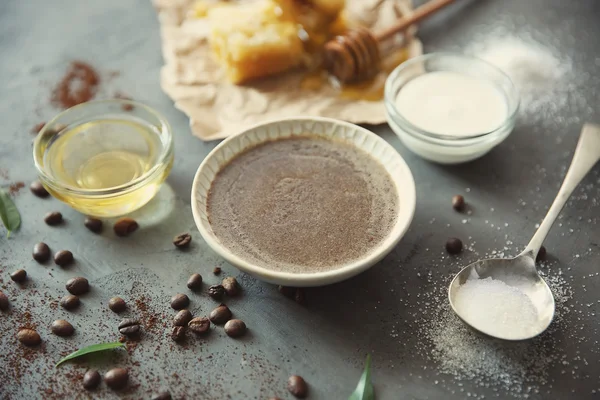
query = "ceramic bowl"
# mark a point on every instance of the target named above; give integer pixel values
(321, 127)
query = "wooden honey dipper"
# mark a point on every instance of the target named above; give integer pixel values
(356, 54)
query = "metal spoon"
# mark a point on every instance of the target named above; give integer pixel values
(520, 272)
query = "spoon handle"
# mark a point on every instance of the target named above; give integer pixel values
(587, 154)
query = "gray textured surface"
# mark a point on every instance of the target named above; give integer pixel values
(387, 311)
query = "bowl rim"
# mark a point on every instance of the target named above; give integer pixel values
(162, 161)
(406, 195)
(392, 110)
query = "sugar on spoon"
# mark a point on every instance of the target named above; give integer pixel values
(520, 271)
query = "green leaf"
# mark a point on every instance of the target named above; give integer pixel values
(91, 349)
(8, 213)
(364, 390)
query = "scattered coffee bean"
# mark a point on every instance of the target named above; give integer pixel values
(93, 224)
(217, 270)
(216, 292)
(235, 328)
(458, 202)
(41, 252)
(19, 276)
(179, 301)
(163, 396)
(125, 227)
(38, 127)
(299, 296)
(4, 303)
(53, 218)
(195, 282)
(199, 325)
(287, 291)
(231, 286)
(220, 315)
(117, 304)
(297, 386)
(116, 378)
(129, 327)
(178, 333)
(182, 240)
(91, 379)
(61, 327)
(29, 337)
(63, 258)
(541, 254)
(78, 285)
(182, 318)
(69, 302)
(454, 246)
(38, 189)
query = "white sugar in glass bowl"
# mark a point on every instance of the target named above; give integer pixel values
(326, 128)
(450, 108)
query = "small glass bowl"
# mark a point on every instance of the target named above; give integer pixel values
(95, 129)
(447, 149)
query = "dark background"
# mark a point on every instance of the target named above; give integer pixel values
(395, 311)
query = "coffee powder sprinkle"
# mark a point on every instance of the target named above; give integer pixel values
(79, 85)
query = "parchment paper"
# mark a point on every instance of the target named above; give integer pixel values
(218, 109)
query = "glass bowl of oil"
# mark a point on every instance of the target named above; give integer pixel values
(105, 158)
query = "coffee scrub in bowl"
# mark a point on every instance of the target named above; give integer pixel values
(303, 201)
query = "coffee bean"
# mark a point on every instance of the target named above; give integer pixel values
(195, 282)
(199, 325)
(458, 202)
(231, 286)
(216, 292)
(297, 386)
(117, 304)
(178, 333)
(38, 127)
(287, 291)
(163, 396)
(93, 224)
(91, 379)
(41, 252)
(29, 337)
(180, 301)
(69, 302)
(38, 189)
(217, 270)
(53, 218)
(299, 296)
(4, 303)
(541, 254)
(61, 327)
(129, 327)
(78, 286)
(63, 258)
(116, 378)
(454, 246)
(220, 315)
(182, 318)
(235, 328)
(125, 226)
(182, 240)
(19, 276)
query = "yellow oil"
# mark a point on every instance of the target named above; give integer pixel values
(98, 165)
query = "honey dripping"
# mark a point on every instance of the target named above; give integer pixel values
(371, 89)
